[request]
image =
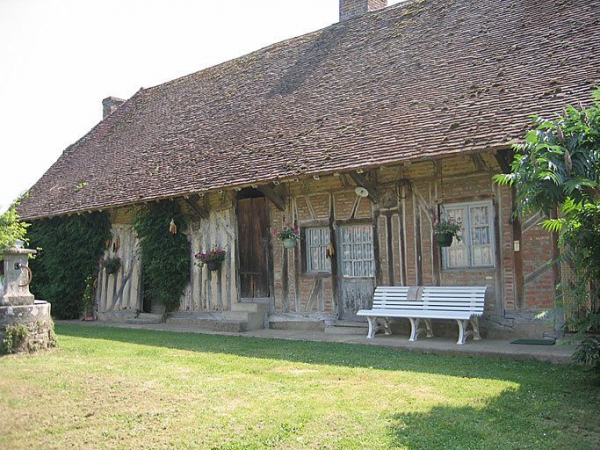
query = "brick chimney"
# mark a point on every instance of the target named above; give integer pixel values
(110, 104)
(353, 8)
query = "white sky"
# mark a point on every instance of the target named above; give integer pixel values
(60, 58)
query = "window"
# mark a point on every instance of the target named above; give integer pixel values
(317, 240)
(476, 248)
(357, 251)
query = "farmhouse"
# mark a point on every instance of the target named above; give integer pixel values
(362, 134)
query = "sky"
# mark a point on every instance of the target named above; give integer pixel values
(60, 58)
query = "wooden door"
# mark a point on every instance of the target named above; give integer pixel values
(253, 234)
(356, 269)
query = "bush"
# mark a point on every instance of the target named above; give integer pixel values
(69, 251)
(165, 252)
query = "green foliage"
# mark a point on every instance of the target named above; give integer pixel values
(112, 265)
(69, 250)
(88, 295)
(15, 335)
(165, 254)
(558, 166)
(559, 160)
(11, 229)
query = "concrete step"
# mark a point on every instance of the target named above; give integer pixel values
(347, 327)
(262, 308)
(236, 315)
(146, 319)
(253, 320)
(210, 324)
(115, 316)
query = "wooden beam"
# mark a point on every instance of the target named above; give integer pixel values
(478, 162)
(361, 180)
(201, 211)
(275, 194)
(504, 158)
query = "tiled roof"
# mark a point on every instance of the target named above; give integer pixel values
(418, 80)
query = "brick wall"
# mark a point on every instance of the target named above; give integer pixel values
(352, 8)
(456, 180)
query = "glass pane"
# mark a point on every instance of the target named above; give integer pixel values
(357, 250)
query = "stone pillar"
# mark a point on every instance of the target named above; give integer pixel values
(25, 323)
(14, 288)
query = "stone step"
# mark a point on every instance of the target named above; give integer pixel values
(236, 315)
(211, 324)
(251, 307)
(347, 327)
(146, 319)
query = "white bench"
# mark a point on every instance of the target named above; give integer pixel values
(419, 305)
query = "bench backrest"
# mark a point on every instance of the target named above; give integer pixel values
(390, 297)
(433, 298)
(454, 298)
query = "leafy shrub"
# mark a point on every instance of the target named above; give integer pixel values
(69, 250)
(11, 229)
(165, 252)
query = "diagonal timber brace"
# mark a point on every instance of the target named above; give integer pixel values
(361, 180)
(275, 194)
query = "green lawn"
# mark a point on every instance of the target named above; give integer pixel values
(130, 389)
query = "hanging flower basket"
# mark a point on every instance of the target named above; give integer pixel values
(289, 242)
(213, 265)
(289, 235)
(213, 259)
(111, 265)
(445, 230)
(444, 239)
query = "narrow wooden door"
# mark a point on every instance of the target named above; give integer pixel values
(357, 270)
(253, 234)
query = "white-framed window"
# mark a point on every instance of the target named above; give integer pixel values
(317, 240)
(357, 256)
(476, 247)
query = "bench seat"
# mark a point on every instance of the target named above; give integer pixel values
(420, 305)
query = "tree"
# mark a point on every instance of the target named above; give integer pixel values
(11, 228)
(558, 168)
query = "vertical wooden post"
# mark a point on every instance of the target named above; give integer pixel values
(517, 233)
(390, 250)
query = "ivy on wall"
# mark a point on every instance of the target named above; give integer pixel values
(165, 252)
(69, 250)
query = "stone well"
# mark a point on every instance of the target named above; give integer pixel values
(25, 323)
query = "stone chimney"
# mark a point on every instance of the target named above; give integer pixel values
(110, 104)
(353, 8)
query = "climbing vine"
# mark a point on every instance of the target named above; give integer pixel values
(68, 252)
(165, 252)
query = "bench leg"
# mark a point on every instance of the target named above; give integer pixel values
(416, 329)
(464, 332)
(429, 327)
(386, 326)
(475, 325)
(373, 327)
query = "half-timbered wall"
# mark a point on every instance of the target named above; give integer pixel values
(121, 292)
(212, 291)
(207, 291)
(411, 197)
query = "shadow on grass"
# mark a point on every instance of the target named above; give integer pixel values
(516, 419)
(332, 354)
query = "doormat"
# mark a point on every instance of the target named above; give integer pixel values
(534, 341)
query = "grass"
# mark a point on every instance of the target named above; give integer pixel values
(131, 389)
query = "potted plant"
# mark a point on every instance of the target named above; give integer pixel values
(88, 300)
(111, 265)
(445, 230)
(289, 235)
(212, 259)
